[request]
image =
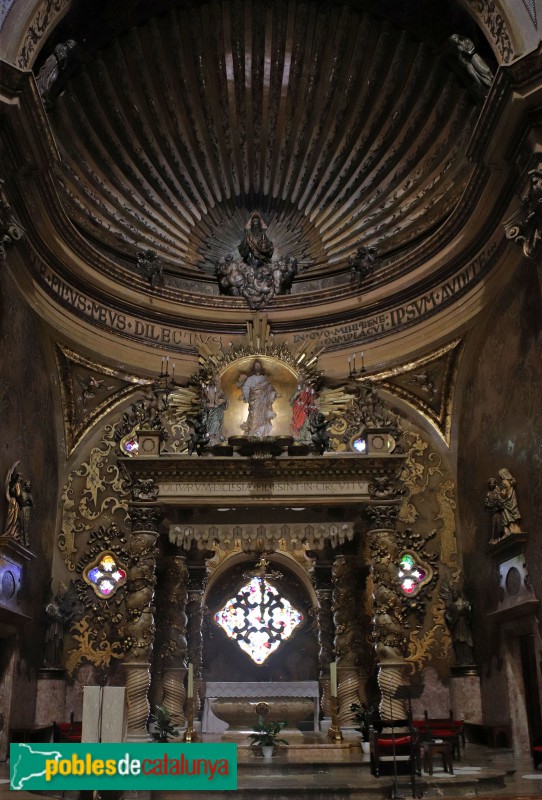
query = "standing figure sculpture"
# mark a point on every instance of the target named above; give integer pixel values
(19, 497)
(256, 249)
(458, 617)
(216, 404)
(260, 395)
(48, 75)
(303, 404)
(54, 633)
(255, 276)
(493, 505)
(510, 510)
(474, 65)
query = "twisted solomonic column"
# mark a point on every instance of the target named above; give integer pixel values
(321, 579)
(139, 627)
(174, 647)
(194, 610)
(388, 631)
(348, 636)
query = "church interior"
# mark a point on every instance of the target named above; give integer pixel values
(271, 338)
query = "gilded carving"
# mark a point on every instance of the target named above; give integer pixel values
(95, 489)
(255, 390)
(97, 620)
(256, 277)
(91, 647)
(427, 385)
(145, 518)
(349, 637)
(423, 477)
(491, 19)
(43, 19)
(525, 227)
(10, 230)
(140, 586)
(89, 391)
(145, 489)
(382, 517)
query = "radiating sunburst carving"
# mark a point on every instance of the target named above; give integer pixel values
(340, 128)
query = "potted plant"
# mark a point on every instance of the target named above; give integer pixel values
(365, 715)
(160, 726)
(266, 736)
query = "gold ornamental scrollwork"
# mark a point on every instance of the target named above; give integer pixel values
(92, 648)
(95, 490)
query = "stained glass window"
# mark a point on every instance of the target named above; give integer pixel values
(412, 574)
(104, 574)
(360, 445)
(130, 445)
(259, 619)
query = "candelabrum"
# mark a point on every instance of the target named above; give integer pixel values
(165, 383)
(190, 734)
(353, 372)
(334, 733)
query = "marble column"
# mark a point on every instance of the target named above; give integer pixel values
(196, 585)
(50, 696)
(466, 694)
(388, 633)
(348, 637)
(140, 624)
(174, 647)
(323, 586)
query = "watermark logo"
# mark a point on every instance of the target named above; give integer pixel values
(123, 766)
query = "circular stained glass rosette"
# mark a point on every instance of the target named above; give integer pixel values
(105, 574)
(259, 619)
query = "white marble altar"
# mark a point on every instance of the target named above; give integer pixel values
(252, 693)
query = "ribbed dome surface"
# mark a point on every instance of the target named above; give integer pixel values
(340, 128)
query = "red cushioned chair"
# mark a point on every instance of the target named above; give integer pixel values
(67, 731)
(394, 736)
(447, 729)
(537, 752)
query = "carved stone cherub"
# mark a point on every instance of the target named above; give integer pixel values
(318, 429)
(199, 436)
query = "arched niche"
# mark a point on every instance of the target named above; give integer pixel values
(295, 659)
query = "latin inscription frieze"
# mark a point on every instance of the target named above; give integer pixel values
(181, 339)
(262, 488)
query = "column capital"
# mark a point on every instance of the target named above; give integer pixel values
(145, 518)
(381, 517)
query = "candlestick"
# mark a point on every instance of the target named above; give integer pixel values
(334, 732)
(190, 692)
(362, 363)
(333, 675)
(190, 734)
(172, 370)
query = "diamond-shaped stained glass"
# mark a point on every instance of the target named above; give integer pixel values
(259, 619)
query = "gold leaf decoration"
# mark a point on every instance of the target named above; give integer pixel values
(96, 651)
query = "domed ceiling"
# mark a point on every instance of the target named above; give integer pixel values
(341, 128)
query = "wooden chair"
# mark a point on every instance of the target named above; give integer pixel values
(394, 740)
(447, 729)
